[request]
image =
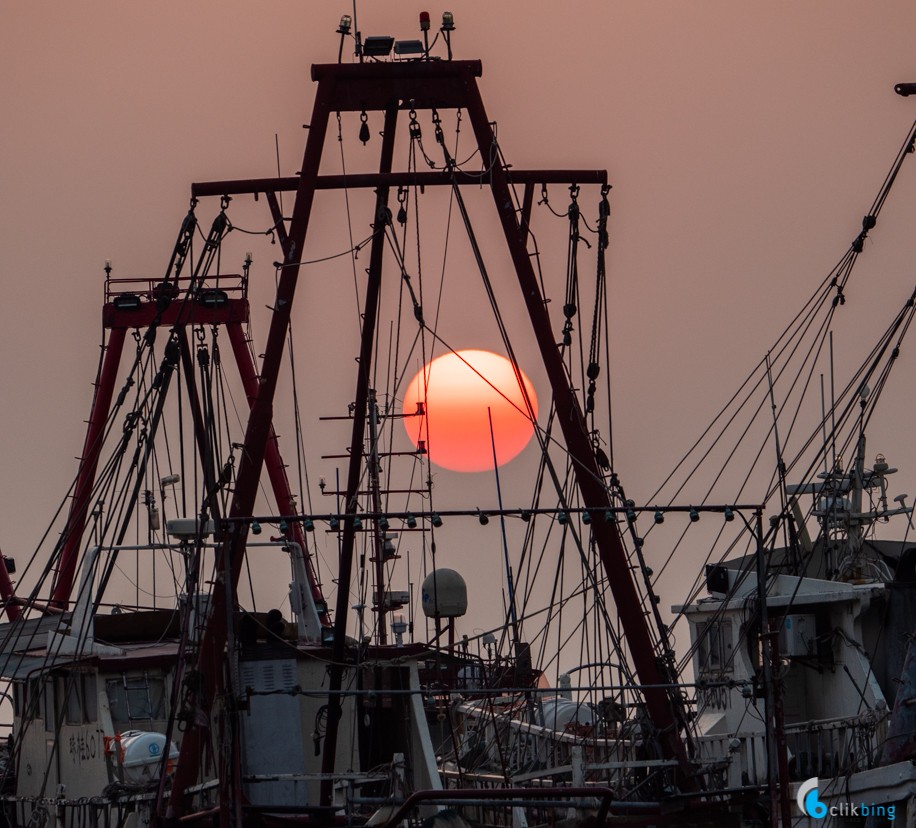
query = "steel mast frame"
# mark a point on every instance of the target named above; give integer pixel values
(391, 88)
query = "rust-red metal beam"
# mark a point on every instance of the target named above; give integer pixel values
(420, 178)
(662, 704)
(230, 557)
(234, 310)
(92, 448)
(374, 87)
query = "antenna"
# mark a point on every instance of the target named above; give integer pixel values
(359, 38)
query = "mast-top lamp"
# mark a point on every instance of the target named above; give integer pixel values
(424, 21)
(448, 22)
(346, 22)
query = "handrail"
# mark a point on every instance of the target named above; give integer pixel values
(463, 794)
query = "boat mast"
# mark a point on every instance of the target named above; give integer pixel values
(391, 88)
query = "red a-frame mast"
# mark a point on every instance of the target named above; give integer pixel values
(391, 88)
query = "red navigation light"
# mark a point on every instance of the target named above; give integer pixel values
(424, 21)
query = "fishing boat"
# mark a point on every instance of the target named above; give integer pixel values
(485, 648)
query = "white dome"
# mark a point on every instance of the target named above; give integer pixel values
(444, 594)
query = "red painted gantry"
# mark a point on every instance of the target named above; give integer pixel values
(131, 304)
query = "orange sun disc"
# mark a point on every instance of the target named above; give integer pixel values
(456, 390)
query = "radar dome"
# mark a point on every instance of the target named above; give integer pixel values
(445, 594)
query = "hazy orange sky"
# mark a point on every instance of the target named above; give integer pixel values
(744, 142)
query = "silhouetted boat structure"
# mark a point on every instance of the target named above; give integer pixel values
(205, 710)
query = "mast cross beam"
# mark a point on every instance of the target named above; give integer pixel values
(418, 178)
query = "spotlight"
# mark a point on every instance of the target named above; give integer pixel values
(408, 47)
(659, 516)
(694, 515)
(255, 528)
(729, 514)
(435, 520)
(411, 521)
(378, 46)
(308, 524)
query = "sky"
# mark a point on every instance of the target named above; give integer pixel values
(744, 142)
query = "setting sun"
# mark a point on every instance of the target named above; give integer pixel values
(459, 389)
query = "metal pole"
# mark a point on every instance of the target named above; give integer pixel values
(360, 412)
(766, 657)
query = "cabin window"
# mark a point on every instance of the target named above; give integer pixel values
(26, 695)
(715, 648)
(49, 712)
(136, 701)
(79, 689)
